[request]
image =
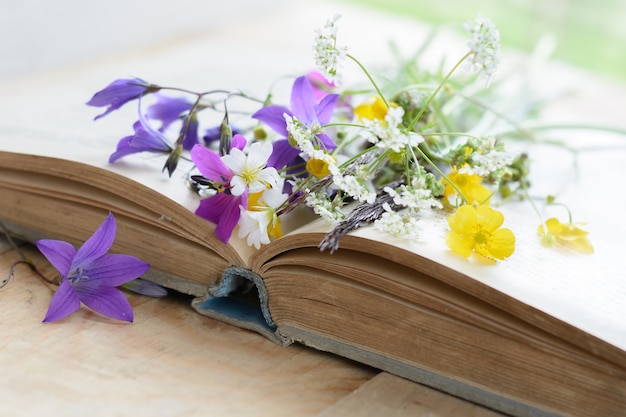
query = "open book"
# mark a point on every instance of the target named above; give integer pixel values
(541, 333)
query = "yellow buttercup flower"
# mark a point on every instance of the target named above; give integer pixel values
(470, 185)
(477, 229)
(568, 234)
(373, 108)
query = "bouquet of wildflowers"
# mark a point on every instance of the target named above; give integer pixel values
(391, 151)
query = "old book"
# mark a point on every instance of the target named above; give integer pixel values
(541, 333)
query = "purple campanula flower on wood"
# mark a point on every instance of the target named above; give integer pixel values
(90, 275)
(120, 92)
(307, 109)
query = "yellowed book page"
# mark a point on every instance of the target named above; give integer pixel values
(586, 291)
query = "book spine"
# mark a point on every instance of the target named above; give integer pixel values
(240, 299)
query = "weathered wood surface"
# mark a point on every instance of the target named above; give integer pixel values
(171, 361)
(174, 362)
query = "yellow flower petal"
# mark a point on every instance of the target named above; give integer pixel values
(372, 109)
(582, 245)
(488, 218)
(470, 185)
(460, 244)
(464, 220)
(501, 244)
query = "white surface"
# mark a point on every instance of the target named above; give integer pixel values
(40, 34)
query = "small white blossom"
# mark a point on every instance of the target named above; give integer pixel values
(491, 162)
(328, 56)
(304, 137)
(253, 225)
(414, 197)
(402, 225)
(355, 187)
(389, 134)
(250, 171)
(327, 209)
(484, 45)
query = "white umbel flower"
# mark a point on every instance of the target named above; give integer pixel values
(327, 209)
(484, 46)
(402, 225)
(390, 135)
(304, 137)
(328, 56)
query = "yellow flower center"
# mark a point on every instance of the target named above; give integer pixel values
(481, 238)
(318, 167)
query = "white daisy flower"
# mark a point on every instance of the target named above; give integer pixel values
(250, 171)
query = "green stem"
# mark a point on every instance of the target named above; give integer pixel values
(439, 87)
(444, 176)
(370, 78)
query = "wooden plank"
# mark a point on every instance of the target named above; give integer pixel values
(170, 362)
(389, 395)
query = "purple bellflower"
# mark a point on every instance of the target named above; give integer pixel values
(170, 109)
(223, 207)
(120, 92)
(307, 109)
(90, 275)
(145, 139)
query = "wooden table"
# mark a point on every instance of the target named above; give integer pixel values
(174, 362)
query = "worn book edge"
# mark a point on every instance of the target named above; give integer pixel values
(240, 299)
(227, 303)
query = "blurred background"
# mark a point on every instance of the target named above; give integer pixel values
(40, 34)
(588, 33)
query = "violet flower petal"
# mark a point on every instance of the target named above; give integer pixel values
(118, 93)
(210, 164)
(98, 244)
(58, 253)
(326, 107)
(191, 135)
(303, 101)
(282, 154)
(223, 210)
(326, 141)
(64, 302)
(108, 301)
(238, 142)
(144, 287)
(273, 116)
(113, 270)
(168, 109)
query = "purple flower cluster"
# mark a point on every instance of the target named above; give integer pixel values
(312, 104)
